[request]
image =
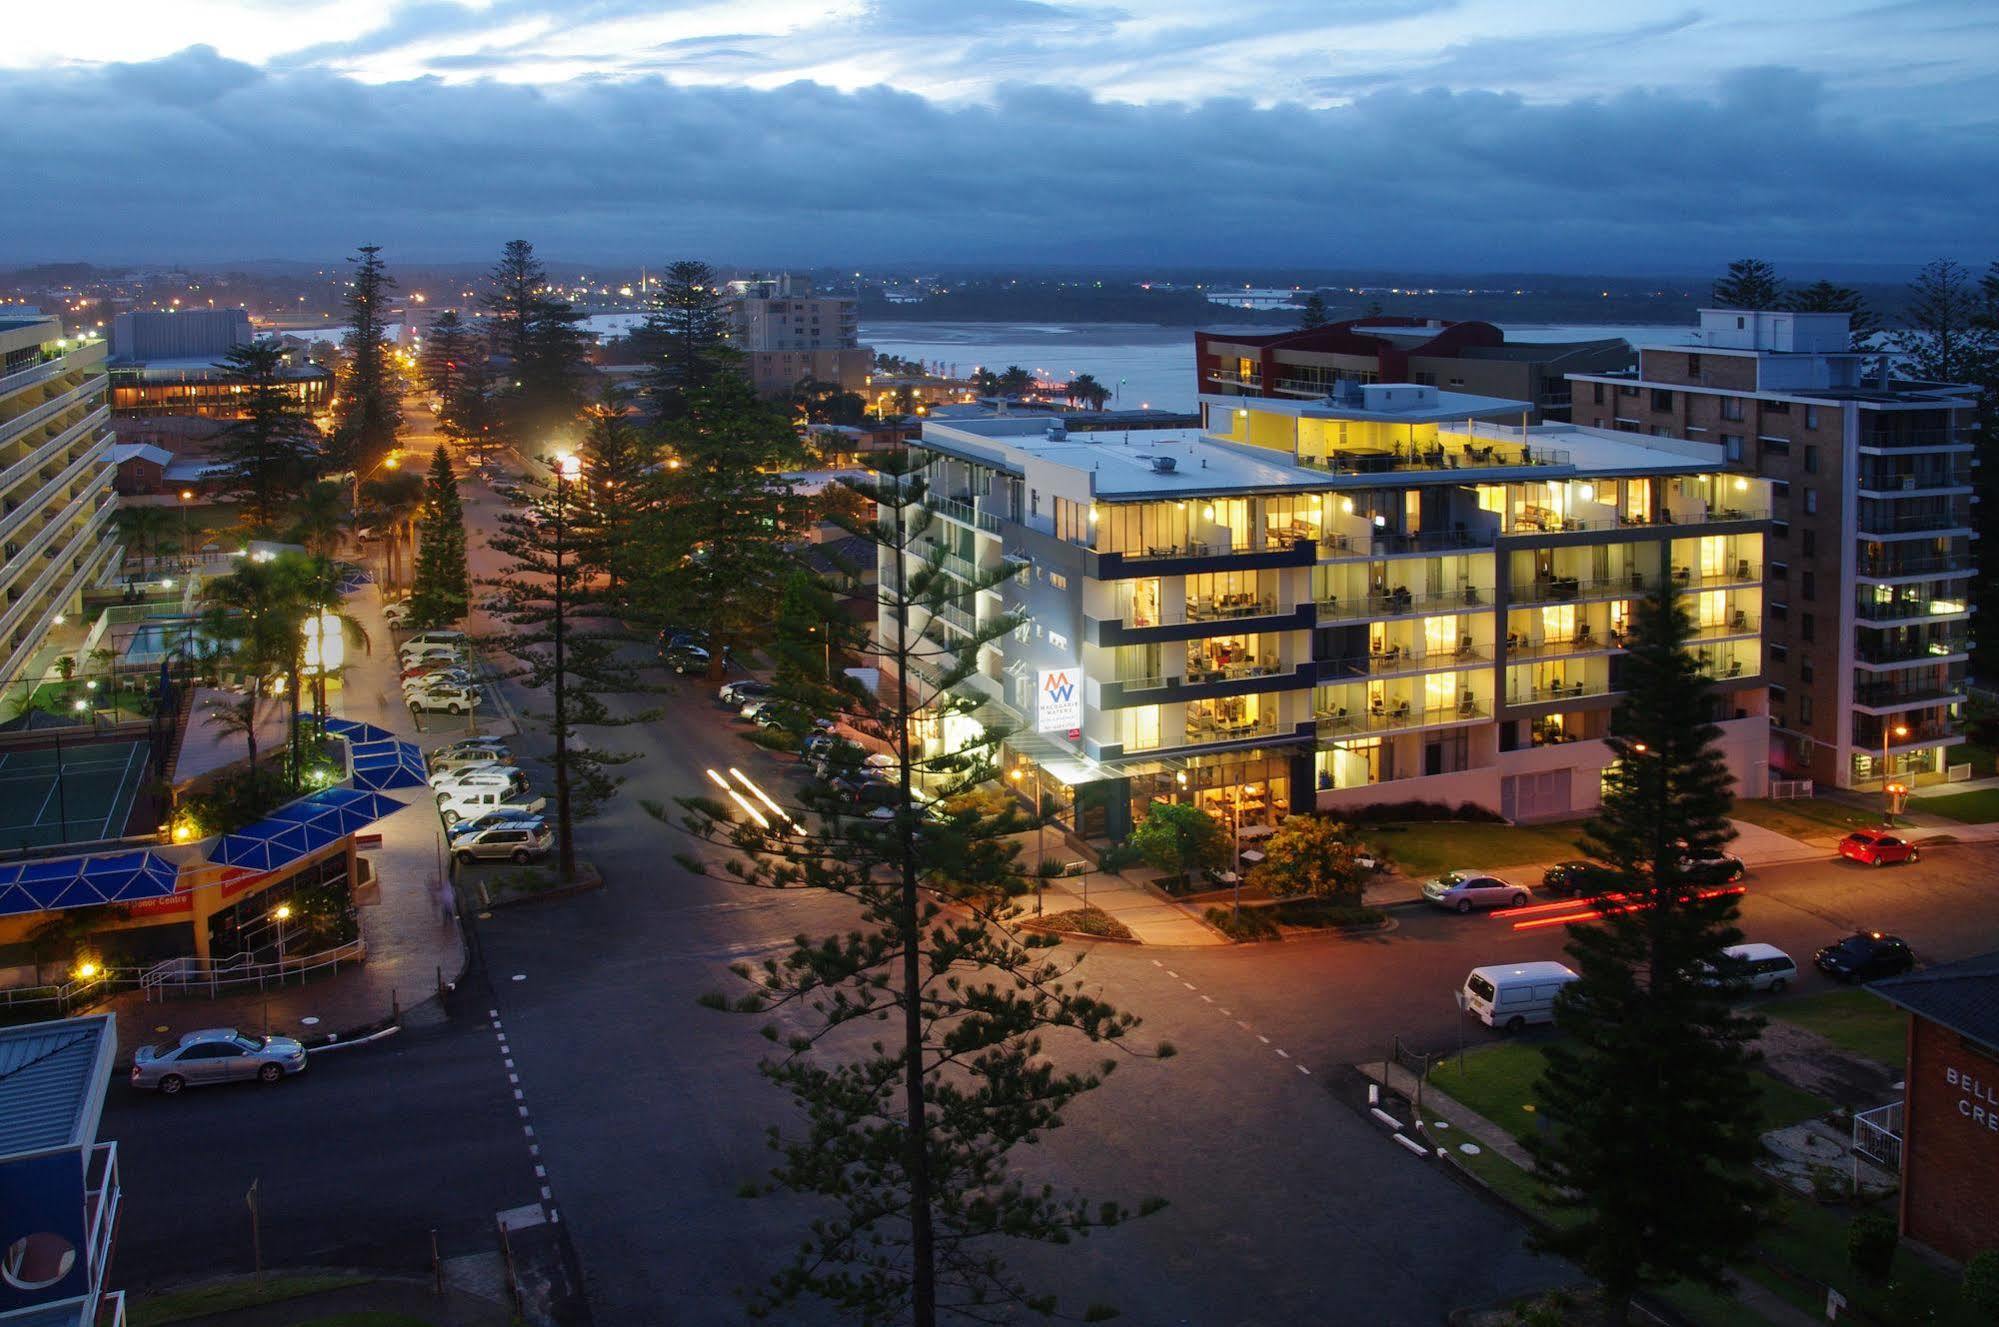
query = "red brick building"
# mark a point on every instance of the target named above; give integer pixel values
(1950, 1116)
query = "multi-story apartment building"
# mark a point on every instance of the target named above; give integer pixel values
(56, 474)
(1378, 596)
(787, 333)
(1471, 357)
(1870, 545)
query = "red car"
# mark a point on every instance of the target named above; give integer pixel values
(1877, 847)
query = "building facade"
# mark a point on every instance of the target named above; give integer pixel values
(1950, 1112)
(788, 333)
(1470, 357)
(169, 364)
(56, 484)
(1380, 596)
(1870, 542)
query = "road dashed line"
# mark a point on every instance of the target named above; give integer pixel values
(527, 1121)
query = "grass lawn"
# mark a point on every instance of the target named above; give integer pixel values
(1804, 817)
(1853, 1021)
(369, 1318)
(1427, 848)
(1498, 1083)
(1973, 808)
(1811, 1240)
(236, 1293)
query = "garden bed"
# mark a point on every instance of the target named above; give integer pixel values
(511, 885)
(1298, 916)
(1090, 923)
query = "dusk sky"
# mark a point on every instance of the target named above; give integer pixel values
(1497, 134)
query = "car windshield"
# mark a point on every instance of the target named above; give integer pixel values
(1859, 836)
(250, 1043)
(1857, 944)
(1480, 987)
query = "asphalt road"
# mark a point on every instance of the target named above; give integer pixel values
(357, 1160)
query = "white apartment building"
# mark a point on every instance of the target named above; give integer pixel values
(1391, 594)
(56, 473)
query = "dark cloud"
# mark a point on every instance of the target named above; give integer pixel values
(199, 157)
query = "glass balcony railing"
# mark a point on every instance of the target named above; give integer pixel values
(1397, 716)
(1391, 459)
(1395, 659)
(1539, 693)
(1399, 603)
(1906, 651)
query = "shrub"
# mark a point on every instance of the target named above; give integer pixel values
(1250, 924)
(1320, 912)
(1087, 921)
(774, 739)
(1118, 856)
(1981, 1283)
(1311, 856)
(1870, 1245)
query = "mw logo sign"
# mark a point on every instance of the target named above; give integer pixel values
(1060, 706)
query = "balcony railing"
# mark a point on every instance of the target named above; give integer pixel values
(1898, 483)
(1235, 378)
(1523, 647)
(1385, 460)
(1564, 589)
(1387, 543)
(1931, 691)
(1223, 610)
(1744, 573)
(1398, 660)
(1878, 522)
(1397, 716)
(1398, 604)
(1868, 736)
(1551, 691)
(1901, 609)
(965, 512)
(1203, 732)
(957, 617)
(1917, 437)
(39, 457)
(1203, 674)
(1906, 651)
(1894, 568)
(21, 423)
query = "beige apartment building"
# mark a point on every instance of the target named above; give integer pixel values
(787, 333)
(56, 473)
(1870, 560)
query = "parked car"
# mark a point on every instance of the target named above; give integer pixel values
(1713, 868)
(1866, 956)
(456, 804)
(456, 677)
(216, 1055)
(397, 614)
(1878, 847)
(424, 654)
(442, 776)
(1754, 967)
(469, 758)
(1465, 890)
(437, 636)
(494, 819)
(434, 667)
(505, 777)
(1579, 877)
(507, 842)
(685, 659)
(448, 697)
(742, 691)
(463, 744)
(1509, 998)
(769, 714)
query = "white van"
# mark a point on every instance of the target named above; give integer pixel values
(1758, 967)
(1509, 998)
(455, 639)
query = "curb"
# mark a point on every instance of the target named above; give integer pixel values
(594, 881)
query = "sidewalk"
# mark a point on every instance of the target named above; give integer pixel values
(411, 944)
(1152, 919)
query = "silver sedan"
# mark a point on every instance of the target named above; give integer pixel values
(216, 1055)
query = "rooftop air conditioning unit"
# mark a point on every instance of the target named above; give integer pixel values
(1164, 465)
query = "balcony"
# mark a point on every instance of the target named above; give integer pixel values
(1916, 439)
(1884, 696)
(1745, 573)
(1569, 589)
(1207, 684)
(1893, 568)
(1902, 610)
(1429, 460)
(1395, 659)
(1549, 692)
(956, 617)
(1914, 736)
(1874, 524)
(1583, 642)
(1393, 543)
(1402, 603)
(1203, 731)
(1192, 558)
(1892, 653)
(1889, 487)
(964, 512)
(1235, 378)
(21, 423)
(1398, 717)
(41, 455)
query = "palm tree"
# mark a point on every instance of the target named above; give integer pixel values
(396, 499)
(319, 592)
(320, 517)
(264, 600)
(1085, 387)
(1016, 381)
(146, 527)
(237, 718)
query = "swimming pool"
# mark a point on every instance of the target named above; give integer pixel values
(167, 639)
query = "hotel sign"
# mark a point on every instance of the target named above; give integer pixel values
(1059, 703)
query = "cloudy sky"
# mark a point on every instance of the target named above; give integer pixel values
(1638, 135)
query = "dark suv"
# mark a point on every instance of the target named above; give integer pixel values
(1586, 878)
(1866, 956)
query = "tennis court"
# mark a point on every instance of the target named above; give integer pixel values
(87, 796)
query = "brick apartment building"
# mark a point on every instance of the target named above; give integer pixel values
(1870, 541)
(1950, 1117)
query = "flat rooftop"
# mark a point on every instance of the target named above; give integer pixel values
(1123, 463)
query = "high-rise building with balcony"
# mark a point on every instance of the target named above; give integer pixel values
(1470, 357)
(1378, 596)
(787, 333)
(1870, 542)
(56, 475)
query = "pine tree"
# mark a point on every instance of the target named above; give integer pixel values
(1751, 283)
(440, 589)
(446, 351)
(1313, 312)
(1824, 297)
(685, 340)
(563, 642)
(621, 459)
(272, 449)
(368, 410)
(718, 519)
(1653, 1109)
(1947, 339)
(538, 335)
(908, 1129)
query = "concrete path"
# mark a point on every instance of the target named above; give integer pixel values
(1151, 918)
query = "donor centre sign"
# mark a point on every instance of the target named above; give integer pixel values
(1059, 708)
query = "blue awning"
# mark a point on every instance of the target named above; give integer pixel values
(83, 882)
(343, 809)
(353, 730)
(390, 764)
(272, 843)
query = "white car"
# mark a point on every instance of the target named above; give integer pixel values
(448, 697)
(445, 775)
(412, 655)
(1465, 890)
(504, 778)
(467, 804)
(465, 744)
(470, 758)
(456, 677)
(397, 614)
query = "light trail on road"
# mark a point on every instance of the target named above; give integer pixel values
(761, 796)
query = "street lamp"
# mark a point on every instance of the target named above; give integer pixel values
(283, 914)
(1899, 731)
(186, 540)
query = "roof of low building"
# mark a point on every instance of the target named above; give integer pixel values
(140, 451)
(52, 1081)
(1962, 996)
